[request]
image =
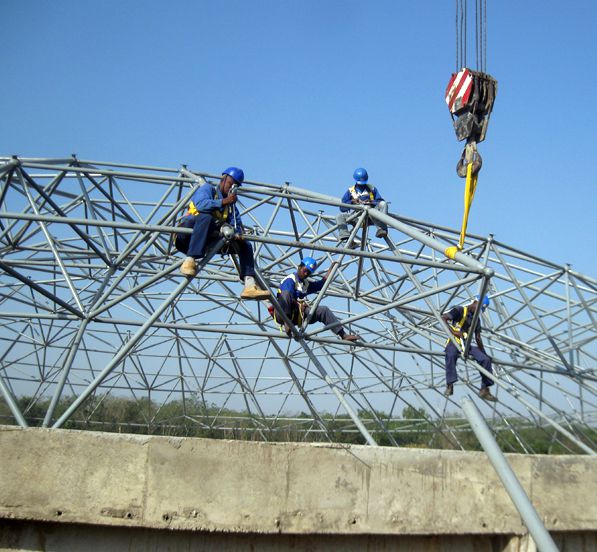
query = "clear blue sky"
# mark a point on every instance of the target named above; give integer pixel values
(307, 90)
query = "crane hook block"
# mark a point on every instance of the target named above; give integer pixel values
(470, 96)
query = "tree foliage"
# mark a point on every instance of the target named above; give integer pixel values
(193, 418)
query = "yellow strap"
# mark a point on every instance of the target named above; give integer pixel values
(222, 217)
(459, 324)
(469, 194)
(192, 209)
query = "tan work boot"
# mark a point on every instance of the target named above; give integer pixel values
(350, 337)
(381, 233)
(253, 292)
(449, 390)
(189, 267)
(485, 394)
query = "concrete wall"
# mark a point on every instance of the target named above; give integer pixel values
(288, 489)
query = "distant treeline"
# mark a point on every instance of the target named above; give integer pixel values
(192, 418)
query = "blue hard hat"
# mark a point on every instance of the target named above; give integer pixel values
(484, 302)
(310, 263)
(237, 174)
(360, 176)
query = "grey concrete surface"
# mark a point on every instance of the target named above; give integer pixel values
(239, 487)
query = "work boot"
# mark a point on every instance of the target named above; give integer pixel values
(486, 395)
(189, 267)
(449, 390)
(253, 292)
(381, 233)
(353, 245)
(350, 337)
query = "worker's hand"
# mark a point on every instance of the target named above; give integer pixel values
(229, 199)
(327, 274)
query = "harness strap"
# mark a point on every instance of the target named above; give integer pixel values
(216, 213)
(459, 325)
(356, 195)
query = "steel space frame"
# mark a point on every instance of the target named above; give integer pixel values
(92, 305)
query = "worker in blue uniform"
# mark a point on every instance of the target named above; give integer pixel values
(292, 298)
(211, 207)
(362, 193)
(459, 321)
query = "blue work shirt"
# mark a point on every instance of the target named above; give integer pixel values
(362, 192)
(208, 199)
(300, 288)
(455, 316)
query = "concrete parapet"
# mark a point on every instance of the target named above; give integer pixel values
(194, 484)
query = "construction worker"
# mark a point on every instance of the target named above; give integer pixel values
(209, 208)
(459, 321)
(292, 298)
(362, 193)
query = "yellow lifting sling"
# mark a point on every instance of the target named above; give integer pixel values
(469, 194)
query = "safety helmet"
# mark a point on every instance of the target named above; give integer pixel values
(310, 263)
(237, 174)
(360, 176)
(484, 302)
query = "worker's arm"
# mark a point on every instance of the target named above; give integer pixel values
(346, 198)
(204, 200)
(288, 285)
(448, 319)
(376, 197)
(314, 287)
(329, 271)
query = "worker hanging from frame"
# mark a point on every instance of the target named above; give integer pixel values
(470, 96)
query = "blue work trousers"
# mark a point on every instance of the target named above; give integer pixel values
(205, 229)
(452, 355)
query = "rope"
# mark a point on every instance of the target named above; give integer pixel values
(477, 33)
(457, 43)
(485, 36)
(461, 21)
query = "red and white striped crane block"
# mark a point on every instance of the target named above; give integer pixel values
(459, 90)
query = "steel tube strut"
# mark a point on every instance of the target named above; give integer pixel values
(130, 345)
(522, 502)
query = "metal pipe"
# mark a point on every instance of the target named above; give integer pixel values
(130, 345)
(368, 437)
(14, 407)
(513, 487)
(28, 282)
(466, 260)
(65, 371)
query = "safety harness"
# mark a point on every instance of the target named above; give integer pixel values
(458, 326)
(220, 216)
(357, 196)
(303, 302)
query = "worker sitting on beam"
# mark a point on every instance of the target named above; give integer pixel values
(292, 299)
(362, 193)
(210, 208)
